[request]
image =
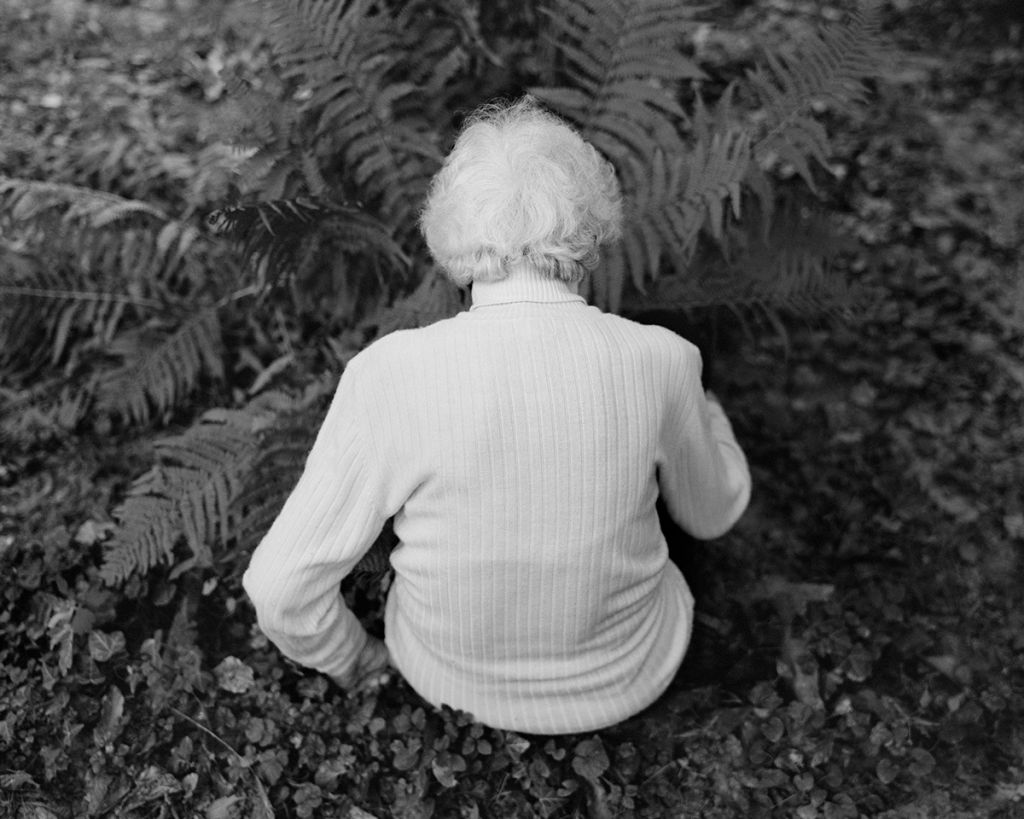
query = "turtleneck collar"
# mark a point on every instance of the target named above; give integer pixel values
(524, 287)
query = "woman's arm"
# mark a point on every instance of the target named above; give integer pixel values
(328, 523)
(702, 471)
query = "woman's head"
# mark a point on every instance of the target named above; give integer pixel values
(520, 190)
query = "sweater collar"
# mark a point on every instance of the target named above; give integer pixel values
(523, 288)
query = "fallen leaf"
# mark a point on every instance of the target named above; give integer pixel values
(953, 504)
(111, 714)
(591, 760)
(1009, 792)
(864, 395)
(103, 646)
(1014, 525)
(223, 808)
(887, 771)
(949, 666)
(921, 762)
(33, 810)
(93, 531)
(968, 552)
(234, 676)
(15, 781)
(793, 594)
(597, 802)
(797, 665)
(773, 729)
(445, 767)
(153, 784)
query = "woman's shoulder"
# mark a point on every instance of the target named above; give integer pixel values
(402, 345)
(658, 339)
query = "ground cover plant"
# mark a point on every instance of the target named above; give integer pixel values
(177, 309)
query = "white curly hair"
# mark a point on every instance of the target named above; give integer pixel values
(520, 189)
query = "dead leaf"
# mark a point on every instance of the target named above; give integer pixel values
(798, 666)
(359, 813)
(223, 808)
(597, 802)
(234, 676)
(794, 595)
(34, 810)
(950, 666)
(103, 646)
(93, 531)
(111, 714)
(154, 783)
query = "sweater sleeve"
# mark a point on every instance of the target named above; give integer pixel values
(328, 523)
(702, 471)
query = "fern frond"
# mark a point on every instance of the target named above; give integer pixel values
(686, 196)
(275, 234)
(791, 268)
(100, 234)
(683, 193)
(283, 449)
(259, 117)
(623, 64)
(829, 68)
(440, 41)
(349, 55)
(25, 200)
(45, 307)
(187, 497)
(158, 377)
(435, 298)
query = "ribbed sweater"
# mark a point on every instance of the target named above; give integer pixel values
(520, 447)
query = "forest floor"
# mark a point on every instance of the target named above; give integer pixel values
(860, 642)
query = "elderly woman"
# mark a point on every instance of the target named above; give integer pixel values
(521, 447)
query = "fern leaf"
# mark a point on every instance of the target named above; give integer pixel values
(435, 298)
(830, 67)
(349, 55)
(791, 267)
(147, 534)
(285, 436)
(187, 497)
(159, 377)
(25, 200)
(276, 232)
(686, 198)
(97, 234)
(45, 309)
(441, 42)
(624, 63)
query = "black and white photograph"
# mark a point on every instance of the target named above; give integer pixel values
(498, 409)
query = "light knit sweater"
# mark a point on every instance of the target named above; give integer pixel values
(520, 447)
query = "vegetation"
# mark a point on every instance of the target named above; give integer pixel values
(200, 226)
(345, 125)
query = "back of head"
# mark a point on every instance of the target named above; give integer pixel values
(520, 190)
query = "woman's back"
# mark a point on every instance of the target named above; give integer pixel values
(531, 572)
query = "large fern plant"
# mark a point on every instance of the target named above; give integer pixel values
(92, 276)
(318, 252)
